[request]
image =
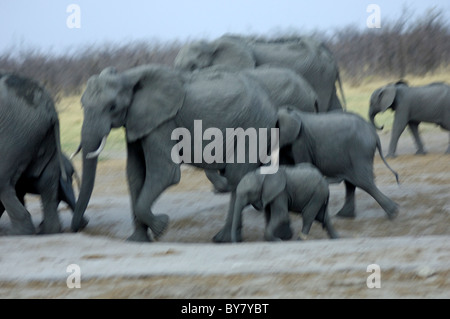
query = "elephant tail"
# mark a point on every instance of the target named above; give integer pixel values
(384, 160)
(59, 150)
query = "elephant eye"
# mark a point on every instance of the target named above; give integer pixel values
(193, 67)
(112, 107)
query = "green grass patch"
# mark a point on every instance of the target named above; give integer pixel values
(71, 120)
(357, 97)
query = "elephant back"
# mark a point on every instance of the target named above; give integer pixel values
(307, 57)
(226, 100)
(24, 103)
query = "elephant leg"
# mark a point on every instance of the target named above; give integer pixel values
(278, 227)
(47, 187)
(160, 173)
(219, 182)
(311, 211)
(136, 178)
(348, 210)
(20, 218)
(233, 174)
(389, 206)
(414, 128)
(399, 126)
(224, 235)
(332, 233)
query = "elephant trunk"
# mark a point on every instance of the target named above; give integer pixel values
(91, 144)
(372, 120)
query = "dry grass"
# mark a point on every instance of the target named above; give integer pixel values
(357, 97)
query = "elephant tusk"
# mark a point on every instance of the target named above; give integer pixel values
(98, 151)
(76, 152)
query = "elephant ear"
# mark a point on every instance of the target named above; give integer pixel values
(232, 52)
(289, 125)
(273, 185)
(387, 97)
(158, 94)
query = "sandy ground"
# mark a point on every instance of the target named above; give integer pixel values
(412, 251)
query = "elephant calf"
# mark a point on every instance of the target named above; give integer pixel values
(300, 188)
(412, 105)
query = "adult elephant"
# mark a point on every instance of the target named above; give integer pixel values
(283, 87)
(412, 105)
(306, 56)
(154, 103)
(37, 185)
(31, 150)
(342, 146)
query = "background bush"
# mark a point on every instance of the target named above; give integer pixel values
(401, 47)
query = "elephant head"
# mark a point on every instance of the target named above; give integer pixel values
(383, 99)
(290, 126)
(228, 51)
(113, 100)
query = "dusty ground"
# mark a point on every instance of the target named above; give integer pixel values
(412, 251)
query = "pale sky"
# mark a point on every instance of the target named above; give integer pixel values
(42, 24)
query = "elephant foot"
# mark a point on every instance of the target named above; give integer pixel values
(268, 237)
(333, 234)
(224, 236)
(283, 231)
(302, 236)
(392, 213)
(391, 155)
(49, 228)
(83, 222)
(19, 230)
(346, 213)
(159, 225)
(421, 152)
(140, 235)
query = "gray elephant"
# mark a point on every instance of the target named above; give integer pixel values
(412, 105)
(29, 184)
(31, 150)
(341, 145)
(306, 56)
(283, 87)
(300, 188)
(154, 103)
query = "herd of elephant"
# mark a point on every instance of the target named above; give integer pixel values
(231, 82)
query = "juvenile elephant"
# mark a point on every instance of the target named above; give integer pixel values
(412, 105)
(305, 56)
(154, 103)
(28, 184)
(341, 145)
(300, 188)
(31, 150)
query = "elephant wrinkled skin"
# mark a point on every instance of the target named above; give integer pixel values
(341, 145)
(307, 57)
(151, 101)
(31, 154)
(300, 188)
